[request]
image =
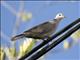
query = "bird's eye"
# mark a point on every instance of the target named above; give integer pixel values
(59, 14)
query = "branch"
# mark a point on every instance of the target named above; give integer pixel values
(10, 8)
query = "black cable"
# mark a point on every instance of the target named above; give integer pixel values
(54, 36)
(55, 43)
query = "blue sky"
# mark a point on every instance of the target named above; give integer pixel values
(41, 12)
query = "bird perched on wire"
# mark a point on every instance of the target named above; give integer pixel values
(42, 31)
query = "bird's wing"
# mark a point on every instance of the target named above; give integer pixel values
(37, 29)
(42, 29)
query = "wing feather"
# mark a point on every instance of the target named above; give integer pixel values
(37, 29)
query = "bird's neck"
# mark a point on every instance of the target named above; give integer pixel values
(57, 20)
(54, 20)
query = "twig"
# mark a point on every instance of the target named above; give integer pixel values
(12, 10)
(17, 22)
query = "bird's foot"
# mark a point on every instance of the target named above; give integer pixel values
(45, 39)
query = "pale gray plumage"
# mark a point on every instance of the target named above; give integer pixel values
(43, 30)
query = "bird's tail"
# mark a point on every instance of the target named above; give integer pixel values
(17, 37)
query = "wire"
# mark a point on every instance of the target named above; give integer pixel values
(55, 43)
(54, 36)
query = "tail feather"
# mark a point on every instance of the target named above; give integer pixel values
(17, 37)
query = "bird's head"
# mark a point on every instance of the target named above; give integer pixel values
(59, 16)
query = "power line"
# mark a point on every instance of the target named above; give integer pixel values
(55, 43)
(54, 36)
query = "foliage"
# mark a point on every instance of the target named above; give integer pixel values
(2, 54)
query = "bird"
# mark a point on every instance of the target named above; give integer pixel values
(43, 30)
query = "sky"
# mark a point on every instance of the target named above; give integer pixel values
(42, 11)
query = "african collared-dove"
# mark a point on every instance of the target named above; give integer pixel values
(43, 30)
